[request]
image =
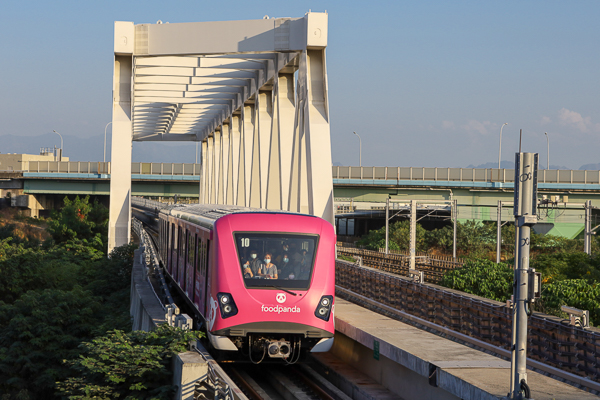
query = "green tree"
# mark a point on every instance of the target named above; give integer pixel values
(399, 237)
(567, 265)
(39, 331)
(134, 365)
(578, 293)
(59, 267)
(482, 278)
(80, 220)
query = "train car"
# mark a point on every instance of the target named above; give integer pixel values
(260, 282)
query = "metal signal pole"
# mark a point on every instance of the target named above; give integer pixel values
(525, 217)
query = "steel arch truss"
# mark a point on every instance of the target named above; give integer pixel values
(254, 93)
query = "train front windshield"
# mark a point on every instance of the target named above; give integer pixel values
(276, 260)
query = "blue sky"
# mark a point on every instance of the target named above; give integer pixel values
(424, 83)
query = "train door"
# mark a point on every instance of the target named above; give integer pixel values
(197, 276)
(172, 248)
(180, 255)
(190, 265)
(202, 275)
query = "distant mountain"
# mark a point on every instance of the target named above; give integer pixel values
(511, 165)
(590, 167)
(92, 148)
(503, 164)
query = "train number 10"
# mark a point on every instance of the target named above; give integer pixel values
(245, 242)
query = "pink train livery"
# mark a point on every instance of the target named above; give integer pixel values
(260, 283)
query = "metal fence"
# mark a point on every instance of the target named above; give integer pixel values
(461, 174)
(550, 339)
(433, 267)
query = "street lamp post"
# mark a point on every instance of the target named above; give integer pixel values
(104, 159)
(61, 145)
(500, 147)
(548, 142)
(359, 150)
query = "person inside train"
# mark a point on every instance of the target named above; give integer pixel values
(268, 269)
(252, 266)
(285, 248)
(287, 267)
(302, 270)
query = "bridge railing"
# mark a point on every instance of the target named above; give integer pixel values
(92, 167)
(68, 167)
(503, 175)
(166, 169)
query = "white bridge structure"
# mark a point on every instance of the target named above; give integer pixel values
(254, 93)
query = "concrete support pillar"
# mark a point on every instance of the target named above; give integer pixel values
(119, 229)
(203, 195)
(229, 164)
(236, 157)
(265, 123)
(188, 368)
(285, 118)
(248, 139)
(218, 163)
(312, 94)
(210, 170)
(253, 173)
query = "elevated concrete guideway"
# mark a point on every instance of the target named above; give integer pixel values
(253, 92)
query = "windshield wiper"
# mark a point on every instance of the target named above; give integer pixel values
(280, 288)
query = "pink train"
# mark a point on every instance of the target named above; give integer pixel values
(260, 282)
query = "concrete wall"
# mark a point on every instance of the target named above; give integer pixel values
(145, 308)
(386, 372)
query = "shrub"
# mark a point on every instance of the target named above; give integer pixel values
(482, 278)
(127, 365)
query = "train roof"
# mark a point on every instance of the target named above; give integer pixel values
(207, 214)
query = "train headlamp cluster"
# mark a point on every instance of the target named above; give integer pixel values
(227, 305)
(280, 349)
(323, 310)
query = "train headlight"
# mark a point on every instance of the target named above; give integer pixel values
(227, 305)
(273, 350)
(323, 310)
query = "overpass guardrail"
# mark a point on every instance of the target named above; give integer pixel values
(416, 174)
(104, 168)
(462, 174)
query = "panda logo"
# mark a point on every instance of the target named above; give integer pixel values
(212, 313)
(280, 298)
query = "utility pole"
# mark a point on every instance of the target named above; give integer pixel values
(455, 217)
(413, 232)
(499, 233)
(525, 209)
(587, 244)
(387, 225)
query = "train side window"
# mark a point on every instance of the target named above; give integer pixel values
(191, 249)
(196, 253)
(201, 255)
(206, 255)
(173, 237)
(182, 242)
